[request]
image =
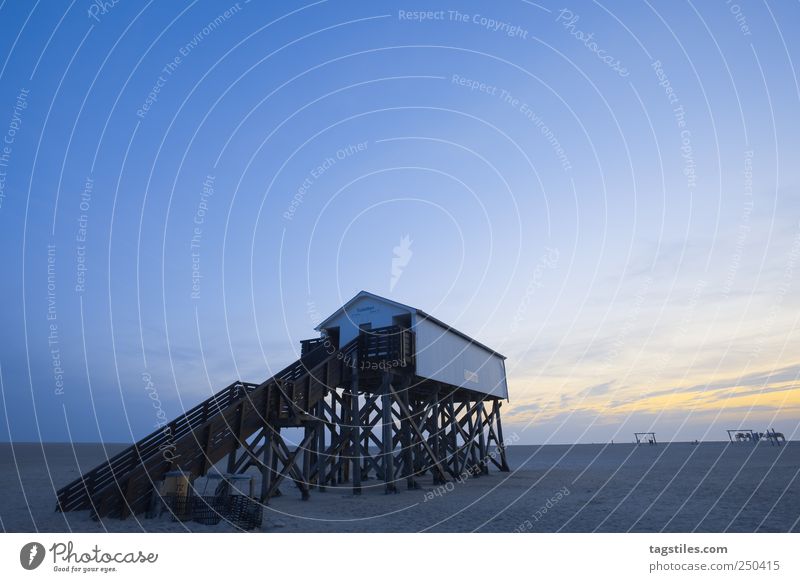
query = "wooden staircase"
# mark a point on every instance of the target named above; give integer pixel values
(204, 435)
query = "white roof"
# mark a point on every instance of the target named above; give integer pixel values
(419, 312)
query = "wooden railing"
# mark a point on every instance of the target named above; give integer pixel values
(392, 345)
(76, 495)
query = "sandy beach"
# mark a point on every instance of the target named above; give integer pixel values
(679, 487)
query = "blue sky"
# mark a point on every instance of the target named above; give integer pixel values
(606, 193)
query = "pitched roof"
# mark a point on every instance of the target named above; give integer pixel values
(358, 296)
(419, 312)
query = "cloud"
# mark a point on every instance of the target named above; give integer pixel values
(762, 382)
(597, 389)
(533, 407)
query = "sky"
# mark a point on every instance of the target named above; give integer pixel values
(606, 193)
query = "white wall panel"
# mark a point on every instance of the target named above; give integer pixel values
(448, 357)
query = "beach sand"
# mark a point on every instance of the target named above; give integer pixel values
(711, 487)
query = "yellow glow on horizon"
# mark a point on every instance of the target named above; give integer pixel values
(734, 397)
(778, 398)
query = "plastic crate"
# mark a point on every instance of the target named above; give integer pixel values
(240, 511)
(209, 510)
(244, 512)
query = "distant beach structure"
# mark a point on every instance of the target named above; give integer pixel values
(645, 437)
(740, 435)
(387, 390)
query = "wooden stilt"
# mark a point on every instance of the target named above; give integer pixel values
(266, 466)
(275, 435)
(405, 437)
(436, 433)
(387, 440)
(322, 459)
(502, 444)
(307, 452)
(355, 440)
(473, 436)
(484, 453)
